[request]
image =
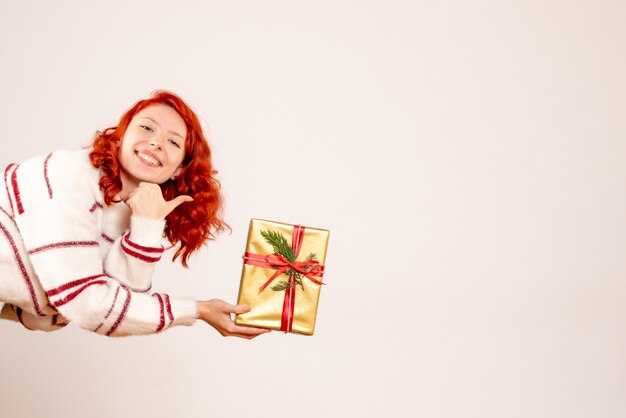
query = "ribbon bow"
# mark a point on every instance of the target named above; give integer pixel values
(308, 268)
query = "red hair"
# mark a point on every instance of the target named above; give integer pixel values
(190, 224)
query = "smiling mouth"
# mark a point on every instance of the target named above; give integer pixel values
(148, 159)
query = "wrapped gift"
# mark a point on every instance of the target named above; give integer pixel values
(282, 276)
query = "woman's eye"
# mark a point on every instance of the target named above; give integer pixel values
(146, 128)
(173, 142)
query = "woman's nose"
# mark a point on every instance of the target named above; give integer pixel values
(155, 144)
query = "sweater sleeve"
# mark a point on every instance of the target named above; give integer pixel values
(133, 256)
(50, 201)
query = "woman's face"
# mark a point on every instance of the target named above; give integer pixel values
(153, 147)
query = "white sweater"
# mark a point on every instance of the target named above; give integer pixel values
(67, 256)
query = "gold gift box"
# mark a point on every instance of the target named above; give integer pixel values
(267, 305)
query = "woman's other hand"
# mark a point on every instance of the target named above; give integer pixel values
(217, 313)
(147, 201)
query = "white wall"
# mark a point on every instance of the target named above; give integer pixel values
(468, 158)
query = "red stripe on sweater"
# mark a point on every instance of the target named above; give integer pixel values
(6, 184)
(162, 319)
(73, 283)
(117, 292)
(63, 244)
(72, 295)
(169, 308)
(107, 238)
(55, 321)
(18, 312)
(20, 263)
(96, 205)
(45, 174)
(7, 214)
(141, 247)
(122, 315)
(138, 255)
(16, 191)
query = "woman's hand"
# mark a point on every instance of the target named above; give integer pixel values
(147, 201)
(216, 313)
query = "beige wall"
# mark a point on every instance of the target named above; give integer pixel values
(468, 158)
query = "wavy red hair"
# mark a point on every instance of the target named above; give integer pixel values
(190, 224)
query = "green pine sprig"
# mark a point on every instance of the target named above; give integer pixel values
(282, 247)
(282, 285)
(280, 244)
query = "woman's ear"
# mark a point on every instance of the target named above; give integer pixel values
(176, 173)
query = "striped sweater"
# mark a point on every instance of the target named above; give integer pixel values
(67, 256)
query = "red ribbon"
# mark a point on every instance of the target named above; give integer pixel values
(308, 268)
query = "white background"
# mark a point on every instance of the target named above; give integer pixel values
(467, 156)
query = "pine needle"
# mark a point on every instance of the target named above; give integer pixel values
(282, 285)
(280, 244)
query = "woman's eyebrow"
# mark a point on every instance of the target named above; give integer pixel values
(157, 124)
(149, 118)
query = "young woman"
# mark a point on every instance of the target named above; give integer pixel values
(81, 231)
